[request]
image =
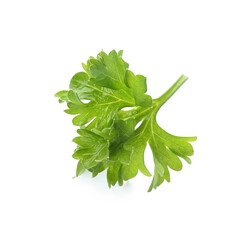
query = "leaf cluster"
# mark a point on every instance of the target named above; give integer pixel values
(112, 138)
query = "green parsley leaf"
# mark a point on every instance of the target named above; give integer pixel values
(91, 149)
(166, 148)
(109, 137)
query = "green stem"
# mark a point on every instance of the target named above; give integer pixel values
(140, 113)
(168, 94)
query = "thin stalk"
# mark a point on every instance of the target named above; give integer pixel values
(169, 93)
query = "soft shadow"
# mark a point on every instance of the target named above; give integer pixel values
(100, 184)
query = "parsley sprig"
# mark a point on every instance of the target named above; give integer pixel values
(108, 137)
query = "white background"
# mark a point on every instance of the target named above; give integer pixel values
(43, 44)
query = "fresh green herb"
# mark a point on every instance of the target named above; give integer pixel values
(109, 137)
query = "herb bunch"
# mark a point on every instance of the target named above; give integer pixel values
(108, 136)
